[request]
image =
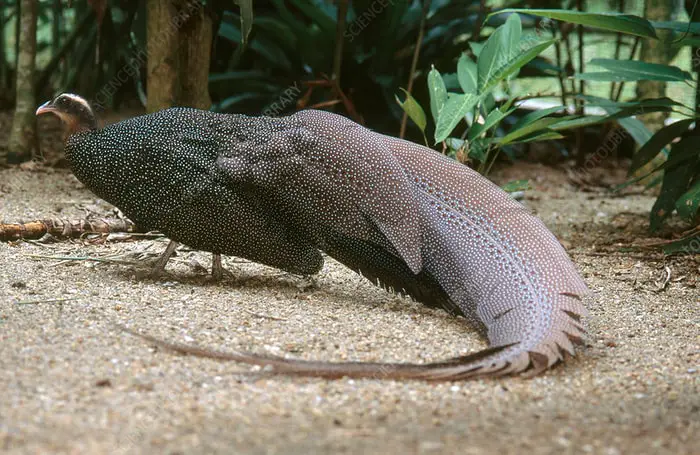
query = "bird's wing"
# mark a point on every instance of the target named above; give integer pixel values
(332, 175)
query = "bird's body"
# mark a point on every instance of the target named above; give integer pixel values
(280, 190)
(181, 191)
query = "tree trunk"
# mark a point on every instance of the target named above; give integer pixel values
(180, 34)
(162, 55)
(655, 51)
(22, 140)
(194, 53)
(3, 57)
(695, 52)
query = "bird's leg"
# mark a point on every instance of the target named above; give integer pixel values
(217, 271)
(159, 268)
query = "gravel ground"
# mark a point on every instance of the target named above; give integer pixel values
(72, 383)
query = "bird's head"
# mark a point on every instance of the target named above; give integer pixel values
(73, 110)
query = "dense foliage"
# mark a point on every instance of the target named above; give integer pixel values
(462, 60)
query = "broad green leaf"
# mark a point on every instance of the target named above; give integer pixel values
(589, 120)
(493, 119)
(229, 31)
(246, 7)
(636, 129)
(476, 48)
(414, 110)
(438, 93)
(546, 135)
(466, 74)
(514, 64)
(454, 143)
(572, 122)
(516, 185)
(687, 245)
(536, 115)
(642, 104)
(675, 182)
(452, 113)
(477, 150)
(526, 130)
(688, 204)
(501, 47)
(318, 15)
(489, 59)
(228, 103)
(683, 27)
(657, 142)
(687, 41)
(644, 70)
(632, 126)
(510, 35)
(606, 76)
(616, 22)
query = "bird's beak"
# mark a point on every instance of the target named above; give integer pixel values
(45, 108)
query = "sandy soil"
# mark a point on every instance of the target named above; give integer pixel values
(72, 383)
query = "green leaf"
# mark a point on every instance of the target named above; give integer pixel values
(438, 93)
(526, 130)
(536, 115)
(683, 27)
(636, 128)
(476, 48)
(246, 7)
(477, 150)
(687, 41)
(616, 22)
(514, 64)
(414, 110)
(493, 119)
(675, 183)
(606, 76)
(573, 122)
(687, 245)
(502, 46)
(657, 142)
(510, 37)
(466, 74)
(452, 113)
(488, 61)
(643, 105)
(688, 204)
(546, 135)
(516, 185)
(643, 70)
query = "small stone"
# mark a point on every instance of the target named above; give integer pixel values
(103, 383)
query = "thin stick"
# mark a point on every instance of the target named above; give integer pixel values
(263, 316)
(83, 258)
(63, 228)
(339, 33)
(36, 302)
(414, 63)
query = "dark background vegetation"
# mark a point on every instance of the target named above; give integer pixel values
(277, 56)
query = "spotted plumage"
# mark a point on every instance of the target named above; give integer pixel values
(280, 190)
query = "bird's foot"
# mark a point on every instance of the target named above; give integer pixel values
(159, 267)
(217, 270)
(308, 282)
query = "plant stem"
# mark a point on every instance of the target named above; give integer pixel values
(560, 76)
(618, 44)
(631, 57)
(339, 32)
(414, 63)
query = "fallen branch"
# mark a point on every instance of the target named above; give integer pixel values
(64, 228)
